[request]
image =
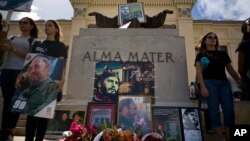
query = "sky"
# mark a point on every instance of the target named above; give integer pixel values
(203, 9)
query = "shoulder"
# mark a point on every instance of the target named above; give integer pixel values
(54, 43)
(58, 43)
(199, 56)
(61, 43)
(243, 46)
(35, 41)
(13, 37)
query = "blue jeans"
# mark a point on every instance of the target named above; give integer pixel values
(220, 94)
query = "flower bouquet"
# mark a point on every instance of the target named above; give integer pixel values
(80, 133)
(89, 133)
(115, 134)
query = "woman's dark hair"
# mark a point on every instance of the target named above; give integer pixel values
(246, 35)
(57, 35)
(203, 46)
(34, 30)
(244, 25)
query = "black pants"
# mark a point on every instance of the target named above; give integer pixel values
(8, 81)
(246, 90)
(35, 124)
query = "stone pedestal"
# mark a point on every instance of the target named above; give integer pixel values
(163, 47)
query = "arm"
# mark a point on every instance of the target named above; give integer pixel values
(204, 91)
(241, 58)
(232, 72)
(60, 83)
(6, 46)
(63, 56)
(20, 78)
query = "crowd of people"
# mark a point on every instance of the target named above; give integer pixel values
(220, 87)
(210, 64)
(16, 48)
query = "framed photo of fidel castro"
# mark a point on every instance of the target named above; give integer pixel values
(126, 12)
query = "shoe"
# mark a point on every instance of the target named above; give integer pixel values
(8, 137)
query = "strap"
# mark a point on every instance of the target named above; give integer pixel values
(31, 40)
(12, 37)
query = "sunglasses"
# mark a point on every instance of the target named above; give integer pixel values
(23, 22)
(212, 37)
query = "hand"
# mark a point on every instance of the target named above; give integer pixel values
(20, 79)
(59, 84)
(204, 92)
(5, 45)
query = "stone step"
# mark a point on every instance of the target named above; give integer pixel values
(20, 128)
(19, 131)
(21, 123)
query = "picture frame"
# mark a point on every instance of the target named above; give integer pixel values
(114, 78)
(128, 11)
(27, 97)
(134, 113)
(62, 120)
(191, 124)
(167, 123)
(101, 115)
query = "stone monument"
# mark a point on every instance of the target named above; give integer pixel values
(162, 47)
(151, 22)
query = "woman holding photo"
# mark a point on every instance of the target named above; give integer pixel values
(16, 49)
(51, 46)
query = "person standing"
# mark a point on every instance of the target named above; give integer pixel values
(210, 66)
(51, 46)
(244, 59)
(16, 48)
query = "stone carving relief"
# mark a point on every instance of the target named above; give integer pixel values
(184, 12)
(80, 12)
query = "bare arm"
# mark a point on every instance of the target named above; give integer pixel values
(60, 83)
(232, 72)
(204, 91)
(6, 46)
